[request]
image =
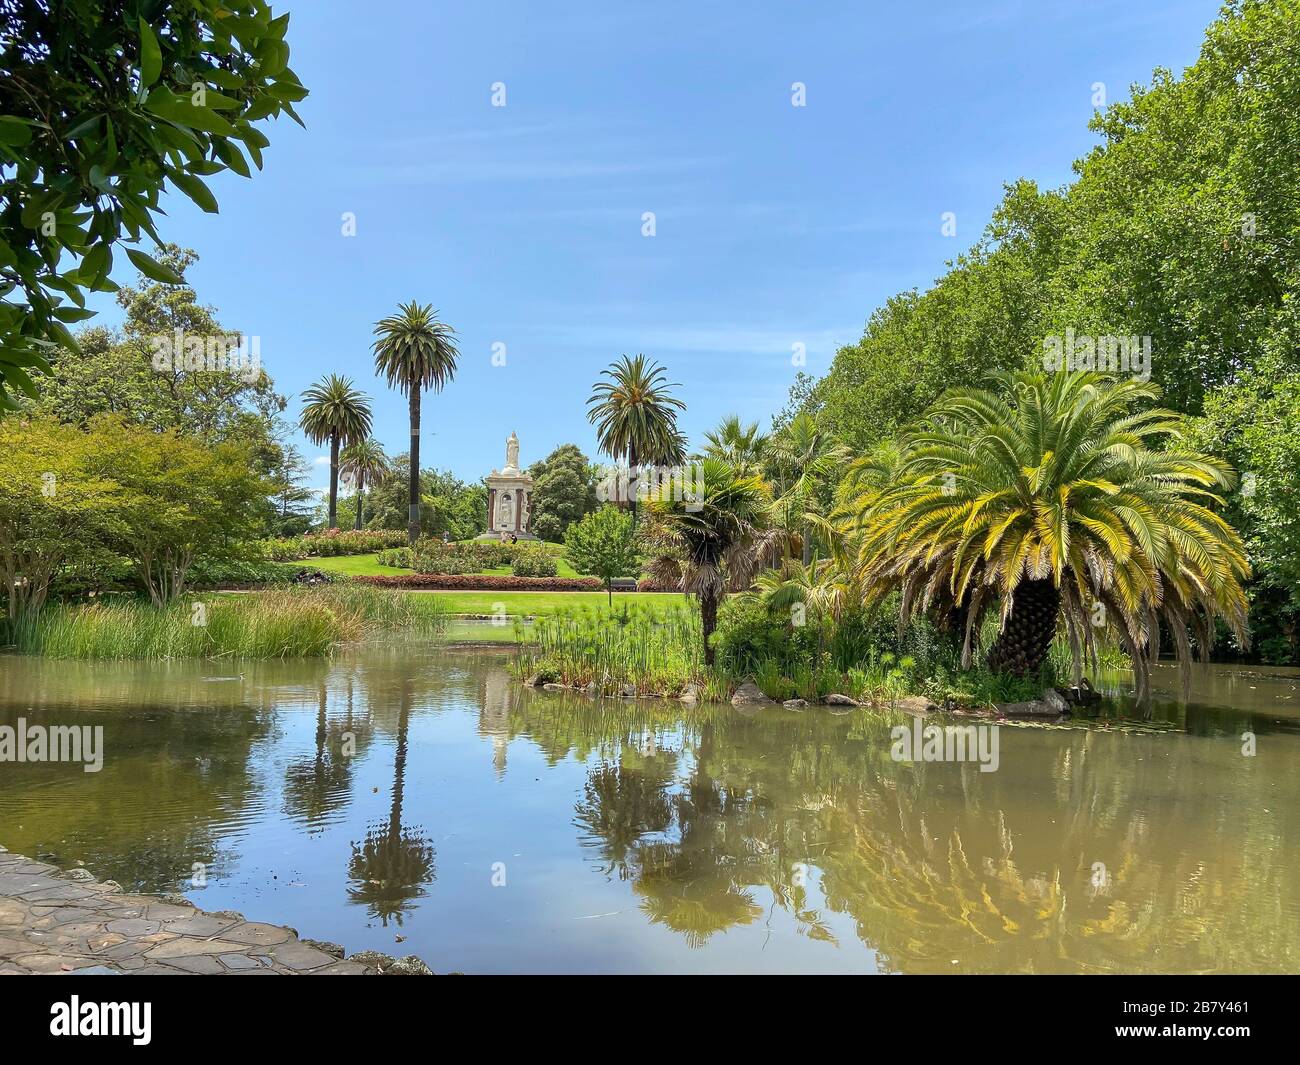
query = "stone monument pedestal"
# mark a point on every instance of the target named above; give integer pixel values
(510, 498)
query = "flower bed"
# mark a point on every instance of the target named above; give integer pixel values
(482, 582)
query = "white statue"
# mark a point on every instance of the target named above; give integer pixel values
(505, 511)
(512, 454)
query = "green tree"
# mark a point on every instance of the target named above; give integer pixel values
(181, 499)
(714, 541)
(805, 461)
(603, 544)
(336, 413)
(564, 491)
(1054, 499)
(739, 445)
(636, 417)
(57, 507)
(414, 350)
(362, 461)
(105, 106)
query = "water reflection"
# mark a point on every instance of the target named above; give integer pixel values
(353, 797)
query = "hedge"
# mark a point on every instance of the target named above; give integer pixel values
(482, 582)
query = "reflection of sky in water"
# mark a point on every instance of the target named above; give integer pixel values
(637, 836)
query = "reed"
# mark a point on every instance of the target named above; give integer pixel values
(654, 653)
(284, 623)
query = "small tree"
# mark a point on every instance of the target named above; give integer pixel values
(603, 544)
(57, 506)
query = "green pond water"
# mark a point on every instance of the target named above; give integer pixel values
(498, 829)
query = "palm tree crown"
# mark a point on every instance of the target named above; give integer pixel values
(1057, 498)
(715, 539)
(739, 445)
(414, 350)
(634, 414)
(339, 414)
(362, 463)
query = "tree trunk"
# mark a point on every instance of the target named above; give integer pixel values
(807, 545)
(1022, 646)
(334, 480)
(632, 480)
(708, 621)
(413, 483)
(361, 499)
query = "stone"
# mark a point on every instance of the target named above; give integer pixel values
(134, 927)
(299, 956)
(916, 705)
(78, 874)
(795, 704)
(1032, 708)
(324, 944)
(185, 947)
(409, 966)
(749, 695)
(1053, 698)
(343, 968)
(627, 691)
(835, 699)
(256, 934)
(552, 687)
(690, 694)
(535, 681)
(203, 964)
(201, 924)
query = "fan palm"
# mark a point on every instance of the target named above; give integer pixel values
(414, 350)
(1058, 498)
(362, 463)
(805, 458)
(636, 417)
(737, 444)
(715, 540)
(336, 412)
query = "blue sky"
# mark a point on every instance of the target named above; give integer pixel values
(522, 224)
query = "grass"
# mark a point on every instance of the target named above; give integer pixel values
(285, 623)
(638, 648)
(546, 604)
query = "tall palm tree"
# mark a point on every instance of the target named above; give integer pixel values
(336, 412)
(741, 446)
(805, 458)
(414, 350)
(715, 541)
(636, 417)
(361, 463)
(1058, 498)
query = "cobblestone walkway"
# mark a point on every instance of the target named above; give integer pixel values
(60, 922)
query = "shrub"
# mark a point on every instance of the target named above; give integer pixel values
(483, 582)
(533, 562)
(332, 543)
(397, 558)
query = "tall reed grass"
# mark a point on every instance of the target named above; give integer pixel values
(284, 623)
(632, 649)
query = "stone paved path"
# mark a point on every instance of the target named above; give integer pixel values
(59, 922)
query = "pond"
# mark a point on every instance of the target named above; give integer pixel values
(416, 800)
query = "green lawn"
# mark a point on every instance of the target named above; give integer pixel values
(368, 566)
(537, 603)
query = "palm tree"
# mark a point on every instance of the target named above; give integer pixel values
(805, 458)
(716, 540)
(1058, 498)
(636, 417)
(362, 462)
(338, 413)
(737, 444)
(415, 351)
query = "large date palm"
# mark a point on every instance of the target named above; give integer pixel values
(336, 413)
(362, 463)
(1060, 496)
(636, 417)
(414, 350)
